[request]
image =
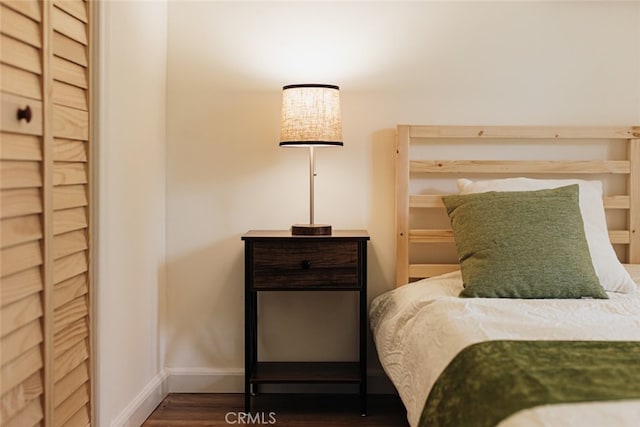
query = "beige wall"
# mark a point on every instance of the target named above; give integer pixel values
(130, 277)
(418, 62)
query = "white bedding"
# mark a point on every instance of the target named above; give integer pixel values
(419, 328)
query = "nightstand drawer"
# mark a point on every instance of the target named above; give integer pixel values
(291, 264)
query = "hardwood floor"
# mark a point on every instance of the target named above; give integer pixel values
(277, 410)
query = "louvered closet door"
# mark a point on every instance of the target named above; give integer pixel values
(45, 299)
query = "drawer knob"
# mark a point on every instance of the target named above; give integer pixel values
(306, 264)
(24, 113)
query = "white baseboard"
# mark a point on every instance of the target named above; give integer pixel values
(145, 402)
(205, 380)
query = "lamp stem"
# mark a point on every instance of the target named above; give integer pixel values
(312, 174)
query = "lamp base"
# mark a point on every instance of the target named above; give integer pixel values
(311, 230)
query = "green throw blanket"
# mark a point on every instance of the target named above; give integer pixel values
(489, 381)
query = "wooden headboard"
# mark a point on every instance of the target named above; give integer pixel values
(412, 164)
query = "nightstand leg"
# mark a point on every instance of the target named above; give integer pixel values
(250, 344)
(363, 329)
(248, 339)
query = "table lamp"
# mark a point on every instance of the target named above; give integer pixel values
(311, 118)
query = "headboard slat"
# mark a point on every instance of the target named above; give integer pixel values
(416, 235)
(430, 270)
(435, 201)
(523, 132)
(516, 166)
(634, 191)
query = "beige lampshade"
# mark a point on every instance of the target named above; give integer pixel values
(311, 115)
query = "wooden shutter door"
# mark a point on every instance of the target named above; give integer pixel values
(45, 305)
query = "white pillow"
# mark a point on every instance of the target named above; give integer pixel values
(611, 273)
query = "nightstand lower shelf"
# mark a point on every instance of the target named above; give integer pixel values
(306, 372)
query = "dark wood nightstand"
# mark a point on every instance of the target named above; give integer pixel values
(278, 261)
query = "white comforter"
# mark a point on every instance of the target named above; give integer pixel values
(419, 328)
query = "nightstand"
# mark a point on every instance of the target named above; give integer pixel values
(278, 261)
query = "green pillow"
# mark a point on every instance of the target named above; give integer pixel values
(523, 244)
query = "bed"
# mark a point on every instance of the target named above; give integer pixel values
(541, 330)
